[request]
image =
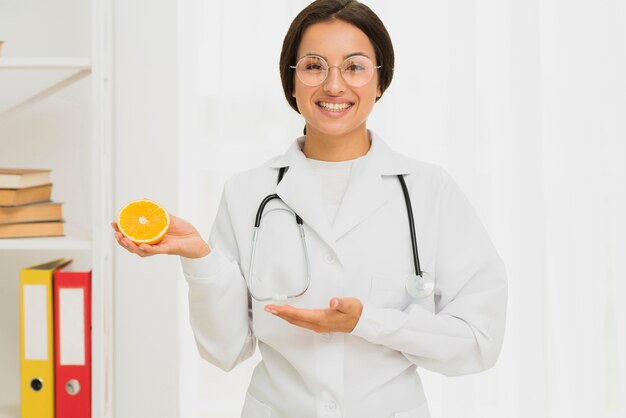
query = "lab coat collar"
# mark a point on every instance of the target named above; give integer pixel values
(387, 161)
(301, 191)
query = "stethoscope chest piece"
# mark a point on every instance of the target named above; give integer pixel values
(420, 287)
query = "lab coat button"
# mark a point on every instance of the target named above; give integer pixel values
(330, 259)
(330, 406)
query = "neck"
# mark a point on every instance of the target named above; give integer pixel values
(323, 147)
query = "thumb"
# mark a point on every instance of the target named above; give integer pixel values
(337, 304)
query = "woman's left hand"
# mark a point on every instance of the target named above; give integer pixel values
(342, 315)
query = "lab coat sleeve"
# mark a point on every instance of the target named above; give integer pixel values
(219, 309)
(464, 335)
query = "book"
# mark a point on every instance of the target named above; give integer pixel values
(32, 229)
(72, 342)
(37, 339)
(15, 197)
(46, 211)
(19, 178)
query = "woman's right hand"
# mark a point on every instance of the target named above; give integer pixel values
(182, 239)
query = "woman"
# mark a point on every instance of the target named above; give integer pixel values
(357, 321)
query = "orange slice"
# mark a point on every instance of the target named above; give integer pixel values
(143, 221)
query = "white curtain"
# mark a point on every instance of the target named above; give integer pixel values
(524, 103)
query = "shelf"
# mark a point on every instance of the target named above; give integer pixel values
(76, 64)
(74, 239)
(52, 75)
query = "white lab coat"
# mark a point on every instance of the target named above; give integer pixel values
(366, 253)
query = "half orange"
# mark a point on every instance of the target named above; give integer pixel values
(143, 221)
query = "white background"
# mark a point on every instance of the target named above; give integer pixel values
(522, 101)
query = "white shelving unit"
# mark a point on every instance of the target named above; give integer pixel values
(77, 64)
(51, 75)
(77, 69)
(74, 240)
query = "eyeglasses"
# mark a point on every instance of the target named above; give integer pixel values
(357, 70)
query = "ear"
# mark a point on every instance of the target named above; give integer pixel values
(379, 92)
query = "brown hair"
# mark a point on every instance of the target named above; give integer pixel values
(350, 11)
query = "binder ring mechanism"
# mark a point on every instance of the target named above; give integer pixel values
(36, 384)
(72, 387)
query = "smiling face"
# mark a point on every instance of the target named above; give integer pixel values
(334, 108)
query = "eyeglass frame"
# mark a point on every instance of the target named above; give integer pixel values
(339, 67)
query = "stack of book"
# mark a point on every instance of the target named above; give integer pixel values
(26, 208)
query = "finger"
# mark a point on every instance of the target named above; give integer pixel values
(344, 305)
(132, 247)
(120, 239)
(144, 253)
(143, 249)
(308, 315)
(329, 320)
(303, 324)
(294, 321)
(150, 249)
(288, 311)
(127, 243)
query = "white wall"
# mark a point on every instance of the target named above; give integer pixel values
(522, 101)
(146, 165)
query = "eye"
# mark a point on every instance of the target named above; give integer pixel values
(314, 67)
(313, 64)
(356, 64)
(354, 67)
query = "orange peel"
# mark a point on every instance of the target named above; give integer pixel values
(143, 221)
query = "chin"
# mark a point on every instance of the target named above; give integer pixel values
(332, 131)
(335, 130)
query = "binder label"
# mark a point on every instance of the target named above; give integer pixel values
(72, 326)
(35, 322)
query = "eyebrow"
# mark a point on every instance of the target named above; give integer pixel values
(345, 57)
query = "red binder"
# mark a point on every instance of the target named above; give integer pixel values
(72, 343)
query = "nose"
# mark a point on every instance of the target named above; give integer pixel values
(334, 82)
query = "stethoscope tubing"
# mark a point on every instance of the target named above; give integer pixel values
(409, 208)
(255, 234)
(421, 285)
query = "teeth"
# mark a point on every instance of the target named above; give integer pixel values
(335, 107)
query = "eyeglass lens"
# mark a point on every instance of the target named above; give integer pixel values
(357, 71)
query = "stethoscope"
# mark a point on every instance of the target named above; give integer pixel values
(420, 286)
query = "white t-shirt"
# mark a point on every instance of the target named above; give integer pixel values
(335, 176)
